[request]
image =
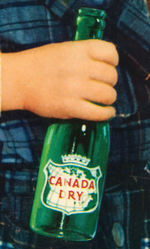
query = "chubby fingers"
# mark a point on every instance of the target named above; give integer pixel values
(98, 92)
(104, 72)
(103, 51)
(89, 111)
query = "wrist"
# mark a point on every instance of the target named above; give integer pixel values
(11, 91)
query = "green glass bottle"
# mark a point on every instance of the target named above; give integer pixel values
(73, 165)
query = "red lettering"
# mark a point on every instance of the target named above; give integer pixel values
(79, 195)
(71, 195)
(91, 185)
(84, 184)
(75, 184)
(59, 181)
(50, 180)
(67, 182)
(61, 194)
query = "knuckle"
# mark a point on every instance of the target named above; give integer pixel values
(111, 97)
(113, 47)
(116, 58)
(107, 113)
(93, 45)
(114, 95)
(112, 75)
(93, 42)
(89, 48)
(114, 53)
(115, 76)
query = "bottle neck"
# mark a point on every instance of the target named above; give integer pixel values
(90, 26)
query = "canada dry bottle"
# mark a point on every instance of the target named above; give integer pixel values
(73, 164)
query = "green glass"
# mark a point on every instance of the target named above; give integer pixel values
(73, 165)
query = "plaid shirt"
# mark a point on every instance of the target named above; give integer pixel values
(30, 23)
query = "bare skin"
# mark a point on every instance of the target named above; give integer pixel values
(62, 80)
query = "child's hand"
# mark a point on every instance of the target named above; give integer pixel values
(62, 80)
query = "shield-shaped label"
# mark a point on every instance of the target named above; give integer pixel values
(71, 188)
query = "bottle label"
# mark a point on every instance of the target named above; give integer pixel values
(71, 187)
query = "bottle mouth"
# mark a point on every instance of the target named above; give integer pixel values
(92, 12)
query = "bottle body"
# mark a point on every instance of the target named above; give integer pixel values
(71, 180)
(73, 165)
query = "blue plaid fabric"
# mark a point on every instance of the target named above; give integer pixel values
(124, 218)
(145, 243)
(6, 245)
